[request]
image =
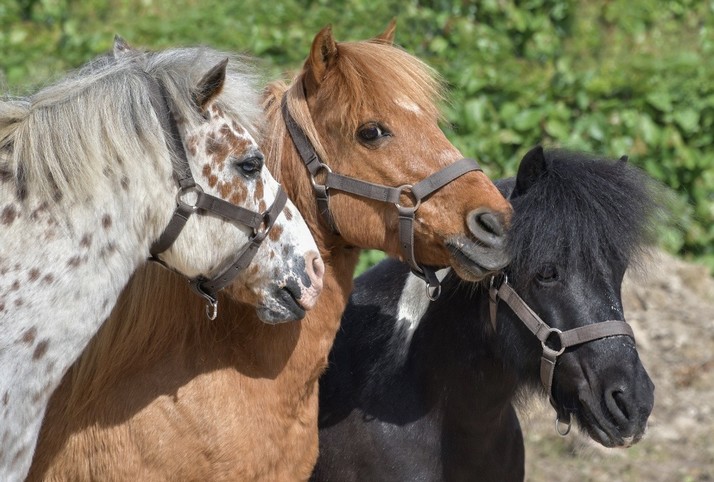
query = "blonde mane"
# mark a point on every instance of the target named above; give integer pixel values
(61, 141)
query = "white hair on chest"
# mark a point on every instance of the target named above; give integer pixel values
(412, 305)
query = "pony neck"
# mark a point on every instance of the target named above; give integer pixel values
(73, 260)
(453, 360)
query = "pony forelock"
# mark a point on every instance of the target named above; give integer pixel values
(584, 211)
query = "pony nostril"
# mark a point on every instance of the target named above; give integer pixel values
(315, 270)
(617, 404)
(484, 223)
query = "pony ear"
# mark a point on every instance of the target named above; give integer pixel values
(322, 55)
(623, 160)
(121, 47)
(210, 85)
(532, 166)
(387, 37)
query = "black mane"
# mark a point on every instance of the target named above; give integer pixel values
(584, 209)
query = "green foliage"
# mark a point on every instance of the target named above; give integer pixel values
(369, 258)
(614, 77)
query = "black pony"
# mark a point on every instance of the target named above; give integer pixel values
(423, 391)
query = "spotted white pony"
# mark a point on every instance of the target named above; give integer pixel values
(92, 171)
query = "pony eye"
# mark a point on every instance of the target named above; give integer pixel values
(371, 133)
(249, 166)
(547, 274)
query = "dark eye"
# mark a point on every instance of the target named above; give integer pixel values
(547, 274)
(370, 134)
(249, 166)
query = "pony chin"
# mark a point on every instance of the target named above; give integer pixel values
(601, 429)
(473, 261)
(288, 300)
(274, 312)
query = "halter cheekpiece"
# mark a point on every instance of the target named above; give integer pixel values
(553, 341)
(204, 203)
(417, 192)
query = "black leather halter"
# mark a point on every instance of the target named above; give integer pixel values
(393, 195)
(500, 290)
(204, 203)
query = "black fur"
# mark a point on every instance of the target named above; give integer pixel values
(437, 405)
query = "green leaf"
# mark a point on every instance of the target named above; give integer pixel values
(660, 100)
(687, 119)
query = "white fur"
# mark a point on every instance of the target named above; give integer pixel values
(408, 105)
(64, 261)
(412, 305)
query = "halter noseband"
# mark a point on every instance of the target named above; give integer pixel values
(260, 223)
(500, 289)
(419, 192)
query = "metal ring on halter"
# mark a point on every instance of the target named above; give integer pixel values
(504, 280)
(188, 190)
(212, 309)
(261, 231)
(562, 346)
(567, 424)
(319, 167)
(437, 291)
(404, 189)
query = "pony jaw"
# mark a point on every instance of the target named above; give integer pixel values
(474, 261)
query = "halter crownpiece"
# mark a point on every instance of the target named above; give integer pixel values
(500, 289)
(393, 195)
(260, 223)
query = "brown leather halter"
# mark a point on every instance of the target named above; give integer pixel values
(547, 335)
(204, 203)
(419, 192)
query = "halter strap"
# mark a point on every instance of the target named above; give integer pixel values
(260, 223)
(393, 195)
(545, 334)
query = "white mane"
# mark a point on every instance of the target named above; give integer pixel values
(60, 141)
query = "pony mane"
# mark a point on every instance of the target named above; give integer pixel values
(61, 141)
(583, 211)
(138, 322)
(139, 326)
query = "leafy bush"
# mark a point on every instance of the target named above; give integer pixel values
(614, 77)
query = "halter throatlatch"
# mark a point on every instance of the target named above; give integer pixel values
(394, 195)
(203, 203)
(553, 340)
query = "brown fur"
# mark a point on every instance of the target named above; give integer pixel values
(171, 396)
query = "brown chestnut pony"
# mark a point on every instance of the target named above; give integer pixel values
(236, 399)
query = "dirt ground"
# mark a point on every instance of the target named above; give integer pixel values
(671, 310)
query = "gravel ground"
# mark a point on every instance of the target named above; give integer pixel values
(671, 310)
